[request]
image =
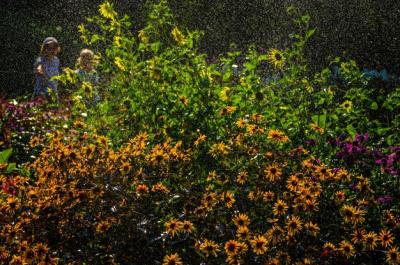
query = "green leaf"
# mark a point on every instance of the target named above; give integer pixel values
(11, 167)
(4, 155)
(350, 129)
(374, 106)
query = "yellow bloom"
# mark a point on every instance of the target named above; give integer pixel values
(119, 63)
(273, 172)
(173, 226)
(293, 225)
(393, 256)
(172, 259)
(346, 249)
(209, 248)
(316, 128)
(277, 136)
(386, 238)
(276, 58)
(106, 10)
(347, 105)
(178, 36)
(280, 208)
(241, 220)
(231, 247)
(224, 94)
(259, 244)
(142, 37)
(242, 177)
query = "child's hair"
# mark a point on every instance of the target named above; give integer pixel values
(47, 42)
(88, 53)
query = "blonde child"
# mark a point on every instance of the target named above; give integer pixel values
(86, 71)
(46, 66)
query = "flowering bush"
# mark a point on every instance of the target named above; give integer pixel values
(187, 163)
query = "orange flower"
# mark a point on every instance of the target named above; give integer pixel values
(172, 259)
(209, 248)
(386, 238)
(241, 220)
(231, 247)
(273, 172)
(259, 244)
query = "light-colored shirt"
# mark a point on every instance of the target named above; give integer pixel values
(51, 68)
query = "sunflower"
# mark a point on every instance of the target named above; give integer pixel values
(231, 247)
(347, 105)
(273, 172)
(173, 226)
(280, 208)
(346, 249)
(209, 248)
(172, 259)
(259, 244)
(276, 58)
(293, 225)
(393, 256)
(241, 220)
(386, 238)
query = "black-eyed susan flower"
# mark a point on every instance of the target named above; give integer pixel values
(259, 244)
(229, 199)
(317, 128)
(293, 225)
(187, 226)
(370, 240)
(173, 226)
(346, 249)
(276, 58)
(273, 172)
(243, 233)
(313, 228)
(293, 183)
(385, 238)
(172, 259)
(393, 256)
(241, 123)
(268, 196)
(241, 220)
(231, 247)
(242, 177)
(280, 207)
(277, 136)
(209, 248)
(358, 235)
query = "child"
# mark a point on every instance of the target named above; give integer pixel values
(46, 66)
(86, 71)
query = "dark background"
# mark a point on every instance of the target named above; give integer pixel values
(366, 30)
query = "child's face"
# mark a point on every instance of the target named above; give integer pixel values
(86, 59)
(51, 49)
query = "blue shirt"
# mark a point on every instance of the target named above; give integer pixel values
(51, 68)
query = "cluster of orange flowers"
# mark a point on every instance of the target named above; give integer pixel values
(244, 199)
